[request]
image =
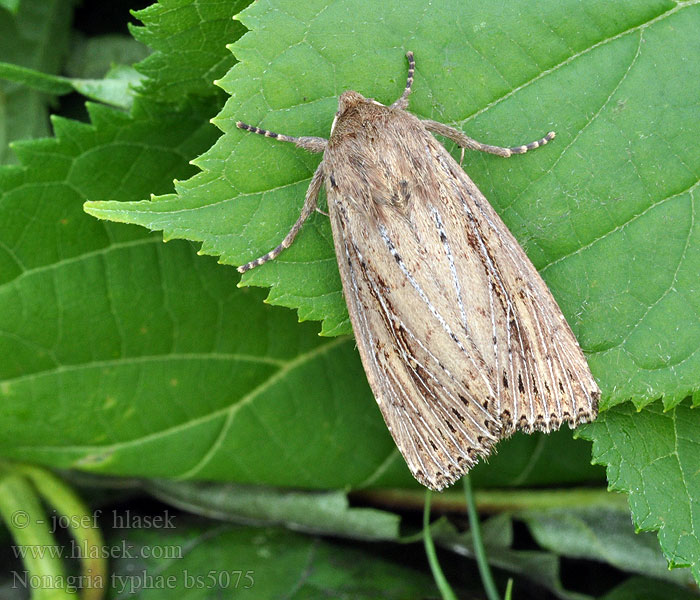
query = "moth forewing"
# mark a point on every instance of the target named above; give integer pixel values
(461, 340)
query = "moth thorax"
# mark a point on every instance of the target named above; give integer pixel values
(355, 113)
(349, 100)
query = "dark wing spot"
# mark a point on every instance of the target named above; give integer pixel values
(403, 188)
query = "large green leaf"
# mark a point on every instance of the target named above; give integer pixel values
(605, 211)
(223, 561)
(124, 356)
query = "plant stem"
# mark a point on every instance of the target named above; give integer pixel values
(481, 560)
(500, 500)
(440, 580)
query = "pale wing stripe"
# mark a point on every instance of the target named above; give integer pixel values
(572, 360)
(389, 317)
(496, 354)
(568, 361)
(393, 400)
(459, 176)
(356, 300)
(517, 260)
(456, 380)
(458, 290)
(455, 178)
(453, 269)
(392, 390)
(403, 421)
(495, 276)
(424, 298)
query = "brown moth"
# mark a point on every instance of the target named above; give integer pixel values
(461, 340)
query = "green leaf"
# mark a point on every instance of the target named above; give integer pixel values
(29, 524)
(24, 112)
(128, 357)
(327, 513)
(188, 39)
(115, 88)
(41, 82)
(601, 534)
(11, 6)
(93, 57)
(605, 211)
(279, 564)
(649, 589)
(654, 456)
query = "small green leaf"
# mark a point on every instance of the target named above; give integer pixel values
(327, 513)
(115, 88)
(601, 534)
(188, 41)
(36, 80)
(33, 34)
(648, 589)
(93, 57)
(654, 456)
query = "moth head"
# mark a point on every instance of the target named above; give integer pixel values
(349, 104)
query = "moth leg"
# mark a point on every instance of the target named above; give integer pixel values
(312, 144)
(402, 102)
(465, 142)
(308, 208)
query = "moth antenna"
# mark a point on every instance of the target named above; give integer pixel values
(312, 144)
(532, 145)
(402, 102)
(465, 142)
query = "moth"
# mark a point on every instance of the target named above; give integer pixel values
(461, 340)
